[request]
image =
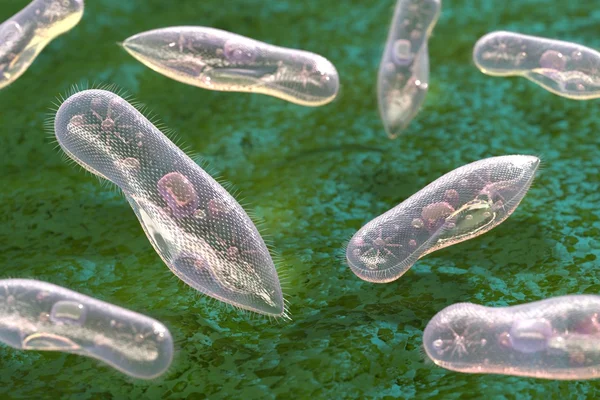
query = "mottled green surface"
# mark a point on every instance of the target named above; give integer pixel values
(314, 176)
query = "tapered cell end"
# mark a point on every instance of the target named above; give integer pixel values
(255, 289)
(154, 50)
(526, 163)
(131, 46)
(138, 46)
(273, 307)
(266, 300)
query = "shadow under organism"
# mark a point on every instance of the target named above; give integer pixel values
(392, 185)
(75, 224)
(418, 295)
(516, 245)
(341, 148)
(409, 300)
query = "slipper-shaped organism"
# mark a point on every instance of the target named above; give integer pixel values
(218, 60)
(556, 338)
(460, 205)
(24, 35)
(404, 69)
(203, 235)
(563, 68)
(37, 315)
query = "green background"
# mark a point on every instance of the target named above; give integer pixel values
(315, 175)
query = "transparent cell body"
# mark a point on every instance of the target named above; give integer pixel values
(24, 35)
(218, 60)
(563, 68)
(36, 315)
(460, 205)
(403, 76)
(199, 230)
(556, 338)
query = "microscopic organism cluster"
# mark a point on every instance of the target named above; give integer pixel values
(207, 239)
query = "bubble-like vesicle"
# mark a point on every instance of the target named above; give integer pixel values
(530, 336)
(483, 194)
(218, 60)
(452, 197)
(435, 214)
(563, 68)
(25, 34)
(403, 77)
(239, 52)
(540, 339)
(552, 59)
(68, 312)
(179, 194)
(403, 55)
(36, 315)
(184, 212)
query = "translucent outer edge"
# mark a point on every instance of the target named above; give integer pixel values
(422, 57)
(405, 265)
(530, 73)
(70, 295)
(554, 374)
(254, 89)
(190, 282)
(282, 309)
(40, 44)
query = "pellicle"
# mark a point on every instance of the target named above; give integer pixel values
(200, 231)
(403, 76)
(460, 205)
(563, 68)
(24, 35)
(218, 60)
(556, 338)
(36, 315)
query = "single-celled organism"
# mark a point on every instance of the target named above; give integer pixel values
(203, 235)
(218, 60)
(37, 315)
(460, 205)
(25, 34)
(563, 68)
(404, 69)
(556, 338)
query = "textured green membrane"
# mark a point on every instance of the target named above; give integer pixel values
(315, 175)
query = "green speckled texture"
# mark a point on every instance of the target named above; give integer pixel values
(315, 176)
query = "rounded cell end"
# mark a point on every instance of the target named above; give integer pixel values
(70, 121)
(85, 127)
(500, 53)
(64, 15)
(165, 349)
(373, 260)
